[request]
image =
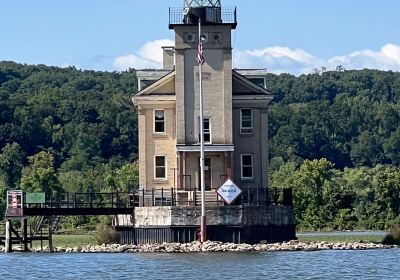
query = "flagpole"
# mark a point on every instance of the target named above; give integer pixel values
(203, 225)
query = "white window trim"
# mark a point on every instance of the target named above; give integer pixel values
(209, 124)
(251, 119)
(155, 168)
(241, 167)
(154, 122)
(209, 129)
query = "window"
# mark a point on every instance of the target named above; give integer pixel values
(246, 121)
(207, 130)
(159, 121)
(246, 166)
(160, 167)
(258, 81)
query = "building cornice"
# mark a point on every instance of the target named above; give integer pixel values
(207, 148)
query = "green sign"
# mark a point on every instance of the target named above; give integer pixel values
(35, 198)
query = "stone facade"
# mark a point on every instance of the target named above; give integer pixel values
(226, 92)
(235, 110)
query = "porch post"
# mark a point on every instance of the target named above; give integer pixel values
(8, 245)
(228, 157)
(181, 178)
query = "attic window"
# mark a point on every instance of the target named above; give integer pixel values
(145, 83)
(258, 81)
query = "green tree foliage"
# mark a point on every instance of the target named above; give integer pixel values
(314, 193)
(3, 193)
(127, 177)
(355, 198)
(84, 118)
(333, 136)
(40, 175)
(348, 117)
(11, 162)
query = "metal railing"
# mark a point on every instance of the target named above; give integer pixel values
(162, 197)
(192, 197)
(86, 200)
(177, 16)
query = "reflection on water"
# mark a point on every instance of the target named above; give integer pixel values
(368, 264)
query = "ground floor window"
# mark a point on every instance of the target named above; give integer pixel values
(246, 161)
(160, 167)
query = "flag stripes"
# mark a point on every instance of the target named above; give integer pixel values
(200, 55)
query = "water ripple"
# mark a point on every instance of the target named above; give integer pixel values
(368, 264)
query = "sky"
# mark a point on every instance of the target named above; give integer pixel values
(284, 36)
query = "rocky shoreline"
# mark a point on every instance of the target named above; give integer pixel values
(212, 246)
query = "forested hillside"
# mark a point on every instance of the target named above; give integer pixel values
(349, 117)
(67, 129)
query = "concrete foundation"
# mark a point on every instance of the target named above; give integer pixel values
(238, 224)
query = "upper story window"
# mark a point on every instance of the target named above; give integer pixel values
(260, 81)
(159, 121)
(160, 167)
(246, 121)
(246, 162)
(207, 131)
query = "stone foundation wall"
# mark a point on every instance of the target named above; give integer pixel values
(216, 216)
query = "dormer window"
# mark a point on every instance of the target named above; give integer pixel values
(246, 121)
(159, 121)
(260, 81)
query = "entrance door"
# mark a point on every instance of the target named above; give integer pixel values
(207, 174)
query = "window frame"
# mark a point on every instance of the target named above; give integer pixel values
(264, 78)
(155, 168)
(156, 121)
(209, 130)
(243, 129)
(251, 166)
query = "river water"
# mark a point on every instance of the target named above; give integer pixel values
(367, 264)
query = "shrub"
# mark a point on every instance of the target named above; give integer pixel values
(105, 235)
(393, 237)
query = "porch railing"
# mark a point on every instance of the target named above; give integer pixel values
(192, 197)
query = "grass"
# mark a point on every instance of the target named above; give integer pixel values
(349, 238)
(69, 241)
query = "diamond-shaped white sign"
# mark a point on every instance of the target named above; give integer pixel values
(229, 192)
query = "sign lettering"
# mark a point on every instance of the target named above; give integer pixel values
(229, 192)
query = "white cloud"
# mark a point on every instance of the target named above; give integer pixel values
(297, 61)
(387, 58)
(277, 59)
(149, 56)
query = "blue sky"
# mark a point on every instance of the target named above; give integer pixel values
(281, 35)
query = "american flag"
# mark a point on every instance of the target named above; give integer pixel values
(200, 56)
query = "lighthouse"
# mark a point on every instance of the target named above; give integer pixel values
(203, 126)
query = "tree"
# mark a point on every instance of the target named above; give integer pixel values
(367, 150)
(392, 147)
(311, 189)
(11, 163)
(127, 177)
(39, 175)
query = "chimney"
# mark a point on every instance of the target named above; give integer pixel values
(168, 58)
